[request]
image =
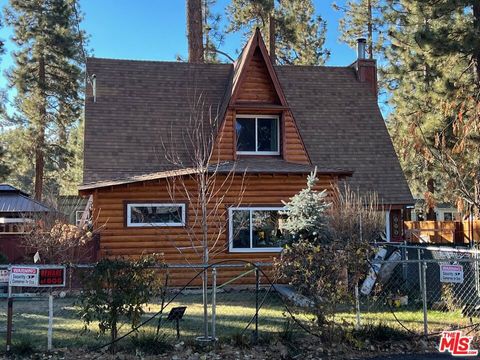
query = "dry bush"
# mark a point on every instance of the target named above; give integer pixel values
(57, 241)
(331, 243)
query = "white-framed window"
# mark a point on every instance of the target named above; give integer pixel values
(78, 217)
(258, 134)
(256, 229)
(155, 214)
(15, 225)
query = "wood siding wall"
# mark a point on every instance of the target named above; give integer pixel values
(225, 147)
(118, 240)
(293, 148)
(257, 86)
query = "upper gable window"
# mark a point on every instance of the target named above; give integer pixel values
(258, 135)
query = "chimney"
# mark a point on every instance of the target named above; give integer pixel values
(361, 44)
(366, 68)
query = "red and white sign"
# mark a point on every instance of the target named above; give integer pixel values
(456, 344)
(36, 276)
(451, 274)
(23, 276)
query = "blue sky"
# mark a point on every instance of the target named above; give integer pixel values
(155, 30)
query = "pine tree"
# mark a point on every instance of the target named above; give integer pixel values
(294, 34)
(213, 36)
(431, 87)
(195, 31)
(4, 168)
(363, 19)
(47, 77)
(457, 36)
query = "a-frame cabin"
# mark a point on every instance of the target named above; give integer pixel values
(275, 125)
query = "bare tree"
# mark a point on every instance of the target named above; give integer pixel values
(56, 240)
(206, 184)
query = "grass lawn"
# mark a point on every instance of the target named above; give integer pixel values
(234, 311)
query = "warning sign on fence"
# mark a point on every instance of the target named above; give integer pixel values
(451, 274)
(24, 276)
(35, 276)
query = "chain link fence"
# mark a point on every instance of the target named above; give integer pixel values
(420, 289)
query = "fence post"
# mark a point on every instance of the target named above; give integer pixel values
(405, 257)
(257, 288)
(419, 256)
(214, 302)
(357, 306)
(9, 317)
(9, 323)
(424, 297)
(50, 321)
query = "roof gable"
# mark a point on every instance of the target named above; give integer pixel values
(254, 71)
(255, 89)
(140, 101)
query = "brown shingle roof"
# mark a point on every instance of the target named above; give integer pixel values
(341, 125)
(257, 166)
(142, 103)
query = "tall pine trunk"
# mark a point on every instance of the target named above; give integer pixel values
(195, 31)
(476, 27)
(271, 37)
(40, 135)
(370, 29)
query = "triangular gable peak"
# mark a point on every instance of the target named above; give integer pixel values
(256, 90)
(255, 80)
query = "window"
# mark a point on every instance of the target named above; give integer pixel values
(256, 229)
(155, 214)
(448, 216)
(78, 217)
(258, 135)
(15, 225)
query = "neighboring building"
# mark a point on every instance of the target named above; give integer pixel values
(17, 214)
(443, 212)
(277, 124)
(73, 207)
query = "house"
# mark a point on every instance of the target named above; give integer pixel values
(18, 212)
(443, 211)
(73, 207)
(277, 123)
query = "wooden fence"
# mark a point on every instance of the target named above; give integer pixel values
(442, 232)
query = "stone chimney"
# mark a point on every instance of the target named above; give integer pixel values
(366, 68)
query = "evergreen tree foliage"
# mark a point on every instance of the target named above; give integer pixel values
(47, 76)
(213, 35)
(434, 121)
(4, 169)
(363, 19)
(307, 218)
(299, 35)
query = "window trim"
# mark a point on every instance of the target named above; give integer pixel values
(250, 249)
(256, 117)
(78, 219)
(145, 204)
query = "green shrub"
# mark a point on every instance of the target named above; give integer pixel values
(380, 332)
(117, 289)
(23, 347)
(151, 344)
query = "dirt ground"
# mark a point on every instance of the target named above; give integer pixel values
(307, 349)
